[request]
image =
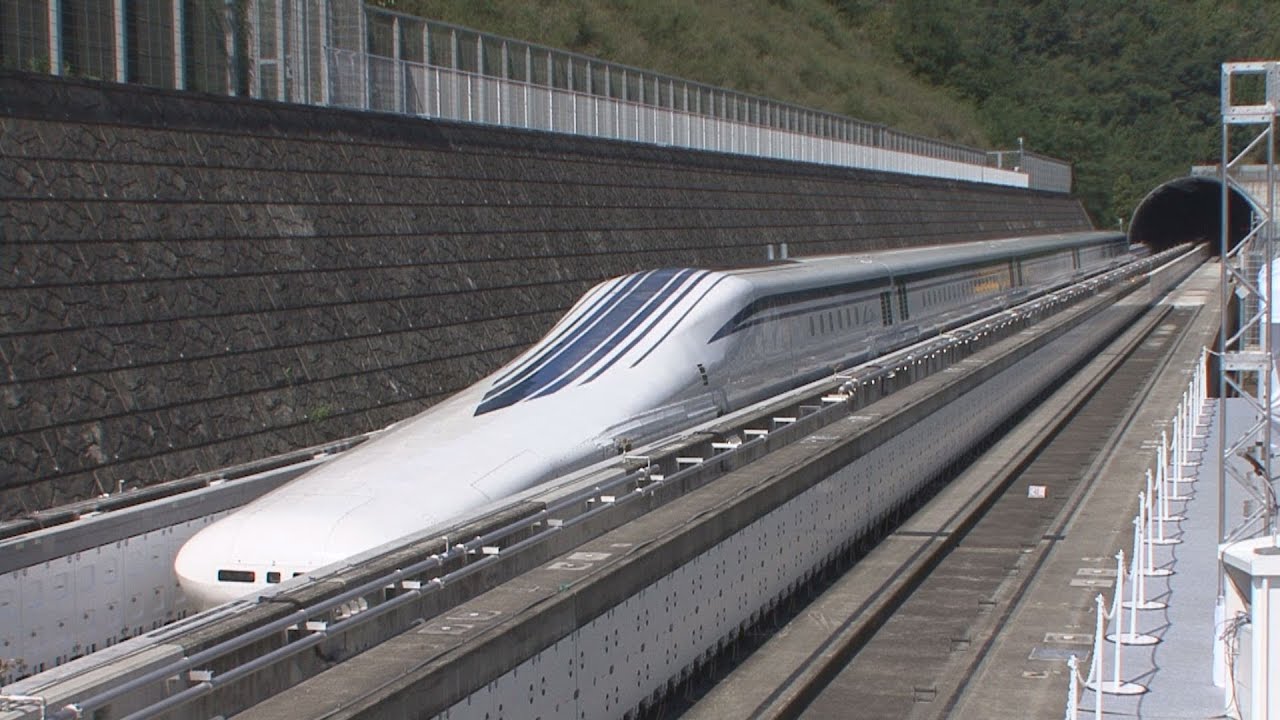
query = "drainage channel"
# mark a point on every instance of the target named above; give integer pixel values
(933, 596)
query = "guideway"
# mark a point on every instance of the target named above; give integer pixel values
(704, 536)
(621, 621)
(972, 607)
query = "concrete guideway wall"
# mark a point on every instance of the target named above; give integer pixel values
(73, 606)
(632, 655)
(71, 590)
(193, 281)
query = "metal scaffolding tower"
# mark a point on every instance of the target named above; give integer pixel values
(1250, 96)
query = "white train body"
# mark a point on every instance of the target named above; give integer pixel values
(639, 356)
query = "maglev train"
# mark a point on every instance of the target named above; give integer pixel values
(637, 357)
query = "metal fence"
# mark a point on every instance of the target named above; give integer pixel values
(349, 54)
(417, 88)
(1046, 173)
(168, 43)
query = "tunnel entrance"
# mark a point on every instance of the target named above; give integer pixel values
(1188, 210)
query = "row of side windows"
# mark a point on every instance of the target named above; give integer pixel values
(986, 280)
(845, 318)
(248, 576)
(944, 294)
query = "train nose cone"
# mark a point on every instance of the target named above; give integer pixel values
(197, 566)
(280, 535)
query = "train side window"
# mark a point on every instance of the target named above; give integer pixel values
(273, 577)
(241, 576)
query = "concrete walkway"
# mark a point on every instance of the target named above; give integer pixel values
(1177, 671)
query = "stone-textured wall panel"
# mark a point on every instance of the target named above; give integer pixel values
(189, 281)
(188, 380)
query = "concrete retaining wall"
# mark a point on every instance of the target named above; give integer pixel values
(191, 281)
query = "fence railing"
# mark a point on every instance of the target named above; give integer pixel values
(416, 88)
(349, 54)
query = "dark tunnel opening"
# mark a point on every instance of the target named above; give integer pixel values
(1188, 210)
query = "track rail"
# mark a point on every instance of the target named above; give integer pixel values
(923, 633)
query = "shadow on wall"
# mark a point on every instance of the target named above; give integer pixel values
(1188, 210)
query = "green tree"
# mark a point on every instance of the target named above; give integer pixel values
(1127, 92)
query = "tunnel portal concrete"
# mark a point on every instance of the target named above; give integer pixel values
(1188, 209)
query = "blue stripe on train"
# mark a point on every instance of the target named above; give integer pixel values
(594, 314)
(646, 311)
(689, 287)
(574, 349)
(550, 343)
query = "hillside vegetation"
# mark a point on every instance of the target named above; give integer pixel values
(1128, 92)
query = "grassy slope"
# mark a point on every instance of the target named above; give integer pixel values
(801, 51)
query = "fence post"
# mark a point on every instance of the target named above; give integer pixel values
(55, 37)
(1094, 682)
(1138, 573)
(1133, 637)
(1173, 472)
(1151, 569)
(1159, 503)
(1073, 689)
(121, 35)
(1115, 686)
